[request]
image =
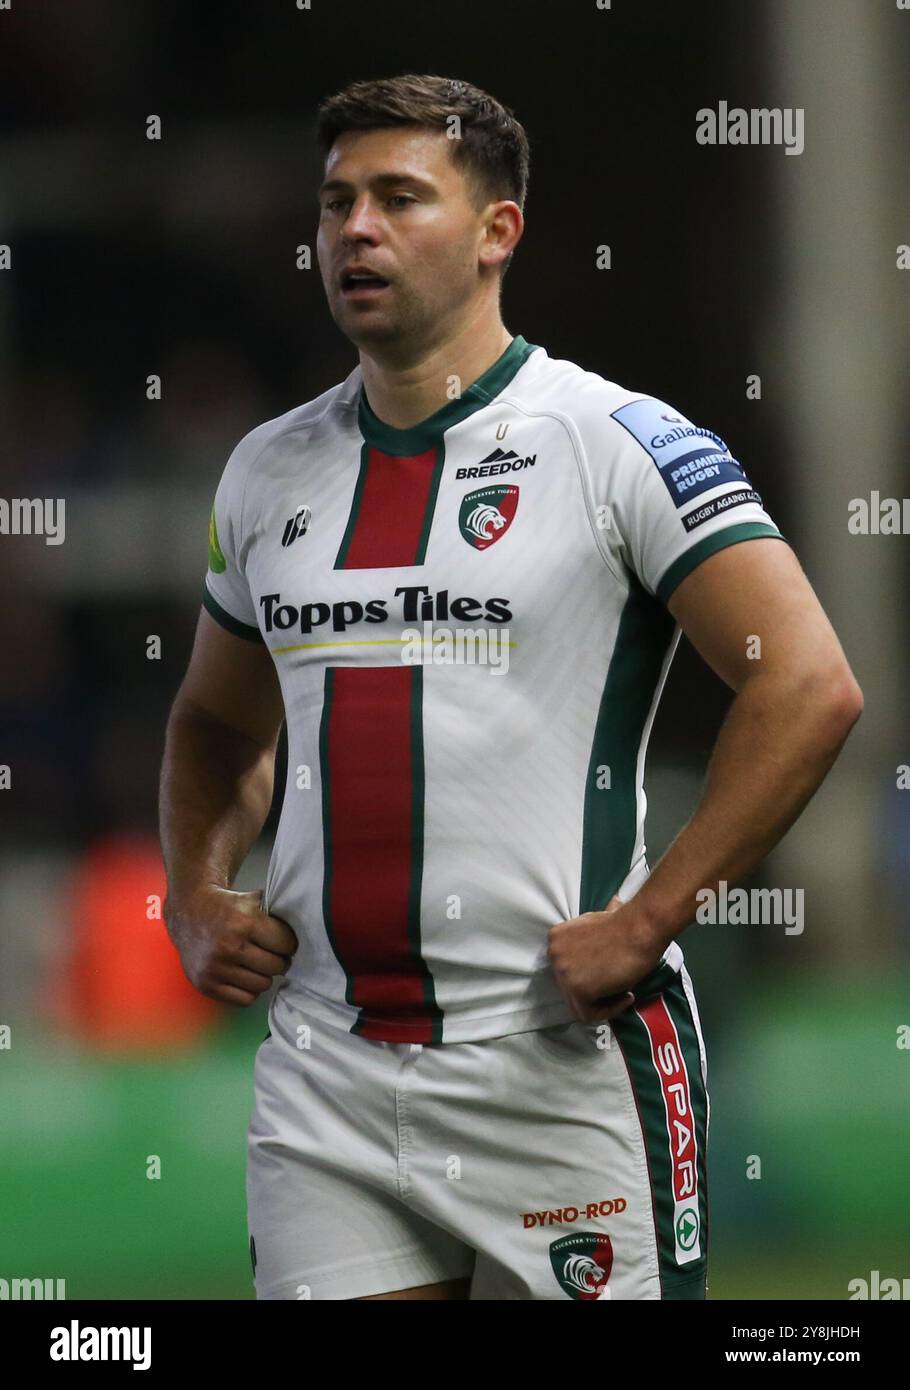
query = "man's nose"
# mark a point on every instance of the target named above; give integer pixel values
(360, 221)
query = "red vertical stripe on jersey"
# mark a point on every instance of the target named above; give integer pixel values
(374, 851)
(670, 1065)
(391, 512)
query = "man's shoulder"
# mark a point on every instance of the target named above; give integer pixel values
(613, 421)
(326, 410)
(558, 386)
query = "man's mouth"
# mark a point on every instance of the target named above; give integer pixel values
(361, 284)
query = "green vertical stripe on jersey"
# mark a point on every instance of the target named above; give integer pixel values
(608, 838)
(351, 527)
(438, 465)
(324, 725)
(415, 888)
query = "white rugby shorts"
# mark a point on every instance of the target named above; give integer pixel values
(565, 1162)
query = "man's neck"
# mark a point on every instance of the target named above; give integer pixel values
(404, 396)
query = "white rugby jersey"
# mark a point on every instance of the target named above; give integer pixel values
(468, 619)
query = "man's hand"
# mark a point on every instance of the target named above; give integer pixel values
(230, 949)
(598, 956)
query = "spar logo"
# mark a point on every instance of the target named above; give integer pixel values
(680, 1132)
(687, 1228)
(487, 513)
(582, 1263)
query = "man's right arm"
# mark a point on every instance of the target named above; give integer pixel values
(217, 779)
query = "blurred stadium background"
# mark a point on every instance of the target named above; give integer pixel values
(178, 258)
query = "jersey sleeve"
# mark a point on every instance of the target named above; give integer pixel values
(226, 593)
(675, 495)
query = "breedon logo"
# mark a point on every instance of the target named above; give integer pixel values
(487, 513)
(582, 1263)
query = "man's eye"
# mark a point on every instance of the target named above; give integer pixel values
(336, 205)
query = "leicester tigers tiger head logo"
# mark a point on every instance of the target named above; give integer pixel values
(484, 520)
(487, 513)
(582, 1263)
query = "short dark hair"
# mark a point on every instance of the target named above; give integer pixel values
(492, 148)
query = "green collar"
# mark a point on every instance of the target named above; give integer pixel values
(420, 438)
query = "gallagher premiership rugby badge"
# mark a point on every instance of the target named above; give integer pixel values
(487, 513)
(582, 1263)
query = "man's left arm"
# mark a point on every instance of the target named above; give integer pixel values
(751, 613)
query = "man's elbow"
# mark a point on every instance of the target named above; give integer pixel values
(851, 696)
(843, 702)
(820, 699)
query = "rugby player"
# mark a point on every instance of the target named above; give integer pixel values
(460, 576)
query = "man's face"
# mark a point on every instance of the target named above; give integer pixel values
(393, 202)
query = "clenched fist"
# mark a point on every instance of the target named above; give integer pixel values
(229, 948)
(599, 956)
